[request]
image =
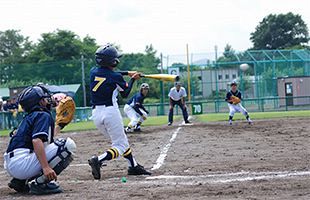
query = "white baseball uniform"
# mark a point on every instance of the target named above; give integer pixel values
(177, 95)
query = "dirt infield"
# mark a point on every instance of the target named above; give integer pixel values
(267, 160)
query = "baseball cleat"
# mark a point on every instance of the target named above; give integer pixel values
(128, 130)
(95, 166)
(169, 123)
(230, 122)
(18, 185)
(137, 128)
(45, 188)
(250, 121)
(138, 170)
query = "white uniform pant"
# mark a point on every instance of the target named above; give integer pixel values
(134, 117)
(237, 108)
(108, 121)
(25, 165)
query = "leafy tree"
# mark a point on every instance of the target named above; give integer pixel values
(14, 47)
(280, 32)
(57, 46)
(228, 54)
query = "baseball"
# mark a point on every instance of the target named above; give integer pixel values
(244, 67)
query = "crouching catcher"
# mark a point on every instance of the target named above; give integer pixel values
(33, 158)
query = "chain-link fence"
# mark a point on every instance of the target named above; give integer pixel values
(210, 76)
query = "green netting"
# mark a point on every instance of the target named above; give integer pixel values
(210, 79)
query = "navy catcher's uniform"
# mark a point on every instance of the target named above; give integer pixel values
(176, 96)
(233, 108)
(135, 110)
(105, 84)
(21, 159)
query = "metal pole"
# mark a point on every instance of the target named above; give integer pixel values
(83, 80)
(216, 81)
(188, 75)
(162, 99)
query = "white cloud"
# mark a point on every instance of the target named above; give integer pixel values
(167, 24)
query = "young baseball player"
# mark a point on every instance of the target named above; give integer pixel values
(177, 96)
(105, 84)
(33, 158)
(135, 110)
(233, 97)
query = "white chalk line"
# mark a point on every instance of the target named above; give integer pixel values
(225, 178)
(79, 165)
(161, 159)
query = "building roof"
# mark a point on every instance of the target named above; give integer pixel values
(4, 92)
(70, 89)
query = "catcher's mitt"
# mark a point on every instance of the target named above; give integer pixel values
(65, 111)
(234, 100)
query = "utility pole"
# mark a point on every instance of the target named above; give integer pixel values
(162, 99)
(217, 109)
(83, 80)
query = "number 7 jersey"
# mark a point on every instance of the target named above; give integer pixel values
(105, 85)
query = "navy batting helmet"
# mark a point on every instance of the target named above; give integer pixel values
(30, 97)
(107, 56)
(233, 83)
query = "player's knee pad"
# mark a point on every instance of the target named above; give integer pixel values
(62, 159)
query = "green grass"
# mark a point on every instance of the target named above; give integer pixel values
(82, 126)
(89, 125)
(212, 117)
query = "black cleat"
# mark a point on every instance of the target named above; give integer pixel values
(187, 122)
(18, 185)
(169, 123)
(138, 170)
(95, 167)
(45, 188)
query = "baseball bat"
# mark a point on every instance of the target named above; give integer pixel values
(161, 77)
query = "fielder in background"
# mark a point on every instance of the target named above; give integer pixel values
(177, 96)
(233, 97)
(105, 84)
(33, 158)
(135, 110)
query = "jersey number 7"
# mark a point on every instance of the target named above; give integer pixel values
(100, 81)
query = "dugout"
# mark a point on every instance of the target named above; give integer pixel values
(293, 91)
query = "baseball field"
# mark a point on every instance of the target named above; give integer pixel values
(267, 160)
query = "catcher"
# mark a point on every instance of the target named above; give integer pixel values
(33, 157)
(135, 110)
(233, 97)
(65, 108)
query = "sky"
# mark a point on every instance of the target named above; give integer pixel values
(166, 24)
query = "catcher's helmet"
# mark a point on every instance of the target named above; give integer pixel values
(107, 56)
(30, 97)
(144, 86)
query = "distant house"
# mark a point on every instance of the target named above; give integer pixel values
(294, 89)
(69, 89)
(5, 93)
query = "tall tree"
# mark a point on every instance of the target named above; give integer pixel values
(229, 54)
(14, 47)
(280, 32)
(57, 46)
